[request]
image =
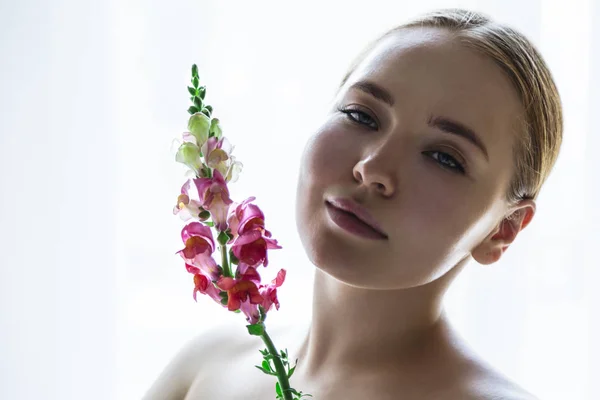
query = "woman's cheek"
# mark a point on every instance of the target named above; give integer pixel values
(331, 152)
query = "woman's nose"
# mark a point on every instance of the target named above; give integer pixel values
(374, 177)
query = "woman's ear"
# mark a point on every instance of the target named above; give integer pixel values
(495, 244)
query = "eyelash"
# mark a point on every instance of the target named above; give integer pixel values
(459, 168)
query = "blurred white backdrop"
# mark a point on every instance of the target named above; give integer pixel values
(94, 302)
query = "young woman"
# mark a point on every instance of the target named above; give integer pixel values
(437, 145)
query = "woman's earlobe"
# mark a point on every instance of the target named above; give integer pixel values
(498, 241)
(487, 257)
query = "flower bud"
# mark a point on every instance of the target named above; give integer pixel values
(199, 126)
(235, 168)
(189, 154)
(215, 128)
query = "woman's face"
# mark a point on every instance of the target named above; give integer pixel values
(436, 194)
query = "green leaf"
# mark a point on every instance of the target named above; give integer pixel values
(195, 70)
(224, 297)
(209, 108)
(202, 92)
(192, 91)
(206, 112)
(291, 372)
(265, 371)
(278, 389)
(198, 103)
(267, 366)
(222, 238)
(256, 329)
(234, 260)
(204, 215)
(237, 311)
(195, 81)
(192, 110)
(209, 223)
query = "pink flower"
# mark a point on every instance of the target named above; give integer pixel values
(250, 240)
(234, 216)
(203, 284)
(251, 248)
(217, 154)
(214, 197)
(242, 294)
(251, 312)
(186, 207)
(269, 292)
(245, 217)
(246, 298)
(199, 246)
(244, 271)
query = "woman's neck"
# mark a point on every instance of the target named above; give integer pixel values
(354, 328)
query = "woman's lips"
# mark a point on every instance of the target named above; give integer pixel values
(350, 222)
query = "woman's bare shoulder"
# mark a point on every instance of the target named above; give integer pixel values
(489, 384)
(200, 351)
(497, 392)
(480, 380)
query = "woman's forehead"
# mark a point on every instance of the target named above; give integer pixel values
(434, 65)
(433, 72)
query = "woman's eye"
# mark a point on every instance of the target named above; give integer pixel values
(447, 161)
(368, 121)
(444, 159)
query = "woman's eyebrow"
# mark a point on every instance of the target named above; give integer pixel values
(456, 128)
(444, 124)
(374, 90)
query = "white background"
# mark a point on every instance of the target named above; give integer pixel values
(93, 300)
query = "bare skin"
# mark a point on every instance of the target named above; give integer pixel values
(436, 371)
(378, 329)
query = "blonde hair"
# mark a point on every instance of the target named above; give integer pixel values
(537, 149)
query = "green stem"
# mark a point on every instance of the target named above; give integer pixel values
(226, 269)
(279, 368)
